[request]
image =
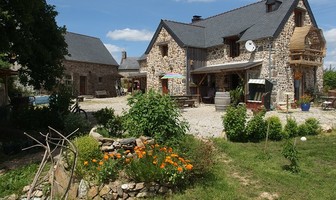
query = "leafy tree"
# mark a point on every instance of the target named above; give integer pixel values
(31, 37)
(329, 79)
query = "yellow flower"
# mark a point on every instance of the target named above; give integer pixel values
(174, 155)
(94, 160)
(106, 157)
(101, 163)
(86, 163)
(155, 162)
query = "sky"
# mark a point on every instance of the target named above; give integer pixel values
(128, 25)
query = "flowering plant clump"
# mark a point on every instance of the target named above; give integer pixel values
(304, 99)
(158, 164)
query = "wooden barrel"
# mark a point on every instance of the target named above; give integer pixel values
(222, 100)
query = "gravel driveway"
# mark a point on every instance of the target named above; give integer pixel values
(205, 121)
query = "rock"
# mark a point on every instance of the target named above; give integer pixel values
(95, 134)
(124, 186)
(61, 180)
(83, 188)
(139, 143)
(142, 195)
(139, 186)
(326, 128)
(73, 191)
(38, 193)
(105, 190)
(93, 191)
(26, 188)
(107, 148)
(163, 190)
(117, 145)
(128, 141)
(12, 197)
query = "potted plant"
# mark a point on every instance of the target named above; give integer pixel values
(304, 102)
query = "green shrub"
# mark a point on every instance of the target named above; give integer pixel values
(303, 130)
(61, 99)
(115, 126)
(313, 126)
(291, 128)
(290, 152)
(234, 123)
(329, 79)
(72, 121)
(275, 128)
(154, 115)
(88, 150)
(256, 128)
(104, 115)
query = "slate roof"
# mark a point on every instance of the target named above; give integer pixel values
(130, 63)
(85, 48)
(249, 22)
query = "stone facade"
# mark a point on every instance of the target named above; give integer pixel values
(95, 77)
(158, 65)
(274, 53)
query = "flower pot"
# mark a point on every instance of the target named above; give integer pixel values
(305, 106)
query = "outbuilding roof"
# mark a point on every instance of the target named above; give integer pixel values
(85, 48)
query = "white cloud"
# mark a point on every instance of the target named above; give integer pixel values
(130, 35)
(115, 51)
(330, 35)
(331, 47)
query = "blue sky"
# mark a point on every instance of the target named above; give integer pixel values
(130, 24)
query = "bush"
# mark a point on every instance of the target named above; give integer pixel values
(291, 128)
(72, 121)
(256, 128)
(329, 79)
(154, 115)
(313, 126)
(289, 152)
(303, 130)
(61, 99)
(88, 150)
(275, 128)
(113, 123)
(234, 123)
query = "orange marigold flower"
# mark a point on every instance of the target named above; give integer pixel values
(111, 155)
(174, 155)
(189, 166)
(182, 160)
(162, 165)
(127, 151)
(179, 169)
(155, 162)
(94, 160)
(86, 163)
(170, 150)
(127, 160)
(118, 155)
(157, 145)
(163, 149)
(175, 164)
(101, 163)
(106, 157)
(155, 157)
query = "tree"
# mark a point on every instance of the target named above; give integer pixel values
(31, 37)
(329, 79)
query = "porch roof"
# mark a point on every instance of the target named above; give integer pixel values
(136, 75)
(227, 67)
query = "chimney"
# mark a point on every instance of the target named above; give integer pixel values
(196, 18)
(123, 55)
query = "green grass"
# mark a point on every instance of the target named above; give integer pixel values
(13, 181)
(245, 171)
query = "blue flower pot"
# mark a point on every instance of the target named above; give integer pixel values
(305, 106)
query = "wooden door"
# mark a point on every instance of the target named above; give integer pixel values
(82, 85)
(164, 83)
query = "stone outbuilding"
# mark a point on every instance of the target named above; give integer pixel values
(89, 67)
(275, 40)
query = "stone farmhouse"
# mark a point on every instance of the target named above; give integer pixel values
(129, 68)
(89, 67)
(275, 40)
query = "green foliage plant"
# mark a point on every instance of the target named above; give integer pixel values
(291, 128)
(290, 152)
(72, 121)
(107, 119)
(88, 150)
(329, 79)
(155, 115)
(256, 128)
(104, 115)
(275, 128)
(235, 95)
(234, 123)
(61, 99)
(303, 129)
(313, 126)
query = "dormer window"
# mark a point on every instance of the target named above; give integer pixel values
(272, 5)
(234, 47)
(299, 15)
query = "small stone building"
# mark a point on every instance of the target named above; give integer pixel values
(133, 79)
(277, 40)
(89, 67)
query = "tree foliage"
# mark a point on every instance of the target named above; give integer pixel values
(31, 37)
(329, 79)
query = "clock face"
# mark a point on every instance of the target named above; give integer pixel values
(250, 46)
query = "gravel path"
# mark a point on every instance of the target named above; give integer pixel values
(205, 121)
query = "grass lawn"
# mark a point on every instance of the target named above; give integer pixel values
(245, 171)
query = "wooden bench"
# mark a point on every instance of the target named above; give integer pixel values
(101, 93)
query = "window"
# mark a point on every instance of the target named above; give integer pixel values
(100, 79)
(234, 47)
(164, 50)
(298, 14)
(272, 5)
(68, 79)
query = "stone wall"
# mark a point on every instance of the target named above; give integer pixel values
(157, 65)
(92, 72)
